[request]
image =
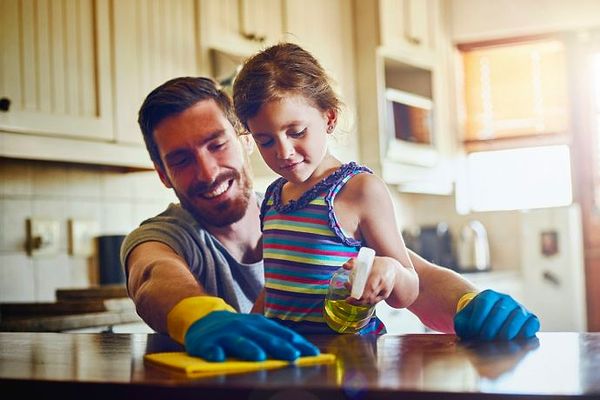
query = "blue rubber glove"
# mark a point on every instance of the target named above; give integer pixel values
(495, 316)
(222, 334)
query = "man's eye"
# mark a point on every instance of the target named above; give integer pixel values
(178, 161)
(217, 146)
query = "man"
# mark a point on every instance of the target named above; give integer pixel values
(195, 270)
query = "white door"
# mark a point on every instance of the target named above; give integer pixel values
(553, 267)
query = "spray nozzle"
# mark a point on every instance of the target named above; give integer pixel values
(360, 272)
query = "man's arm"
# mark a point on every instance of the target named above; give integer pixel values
(439, 291)
(486, 315)
(158, 280)
(171, 301)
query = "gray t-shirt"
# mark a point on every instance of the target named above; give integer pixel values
(209, 261)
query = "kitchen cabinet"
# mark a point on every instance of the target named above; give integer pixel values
(388, 60)
(153, 41)
(76, 73)
(409, 25)
(55, 68)
(240, 27)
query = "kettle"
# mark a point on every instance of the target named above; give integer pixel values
(473, 248)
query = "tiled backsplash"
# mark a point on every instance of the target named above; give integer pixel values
(118, 201)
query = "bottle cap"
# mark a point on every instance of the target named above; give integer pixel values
(360, 272)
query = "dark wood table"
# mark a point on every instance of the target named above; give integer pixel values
(419, 366)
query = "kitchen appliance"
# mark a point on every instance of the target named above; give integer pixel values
(435, 245)
(552, 264)
(473, 248)
(109, 261)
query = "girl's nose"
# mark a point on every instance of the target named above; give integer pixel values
(284, 150)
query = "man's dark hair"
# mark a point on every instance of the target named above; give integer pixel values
(174, 97)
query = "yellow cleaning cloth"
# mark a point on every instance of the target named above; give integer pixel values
(198, 367)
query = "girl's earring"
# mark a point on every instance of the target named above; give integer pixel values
(330, 128)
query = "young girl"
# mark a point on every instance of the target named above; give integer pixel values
(320, 212)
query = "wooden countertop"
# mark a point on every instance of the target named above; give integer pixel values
(100, 306)
(416, 366)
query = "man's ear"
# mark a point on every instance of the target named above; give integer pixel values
(247, 143)
(163, 176)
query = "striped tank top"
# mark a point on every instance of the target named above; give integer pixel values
(303, 246)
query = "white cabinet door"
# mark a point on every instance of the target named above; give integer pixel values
(240, 27)
(153, 41)
(55, 67)
(408, 25)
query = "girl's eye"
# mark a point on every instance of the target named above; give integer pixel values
(264, 141)
(298, 134)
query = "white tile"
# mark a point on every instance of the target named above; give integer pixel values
(51, 273)
(14, 224)
(143, 211)
(49, 179)
(15, 178)
(79, 271)
(117, 185)
(17, 282)
(117, 218)
(84, 182)
(84, 209)
(148, 186)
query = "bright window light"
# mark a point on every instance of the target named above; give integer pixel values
(517, 179)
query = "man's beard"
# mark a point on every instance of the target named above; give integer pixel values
(225, 213)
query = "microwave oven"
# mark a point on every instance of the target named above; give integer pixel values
(409, 128)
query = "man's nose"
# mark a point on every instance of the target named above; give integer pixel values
(206, 168)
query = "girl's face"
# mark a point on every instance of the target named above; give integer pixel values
(291, 135)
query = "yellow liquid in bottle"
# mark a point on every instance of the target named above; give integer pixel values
(343, 317)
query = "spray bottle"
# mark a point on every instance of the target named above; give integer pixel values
(340, 315)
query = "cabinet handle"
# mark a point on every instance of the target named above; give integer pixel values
(253, 37)
(413, 40)
(4, 104)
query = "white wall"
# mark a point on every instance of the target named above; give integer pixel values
(474, 20)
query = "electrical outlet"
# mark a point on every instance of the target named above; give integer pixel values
(42, 237)
(81, 237)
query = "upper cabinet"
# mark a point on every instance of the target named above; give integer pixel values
(76, 72)
(154, 41)
(55, 68)
(240, 27)
(403, 86)
(409, 26)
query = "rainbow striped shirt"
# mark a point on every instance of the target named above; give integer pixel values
(303, 245)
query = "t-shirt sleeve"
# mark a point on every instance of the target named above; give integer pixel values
(159, 231)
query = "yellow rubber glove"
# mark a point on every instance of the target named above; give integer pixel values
(190, 310)
(464, 300)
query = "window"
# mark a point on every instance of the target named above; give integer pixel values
(515, 179)
(515, 126)
(514, 89)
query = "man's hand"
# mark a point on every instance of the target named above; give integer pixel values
(495, 316)
(222, 334)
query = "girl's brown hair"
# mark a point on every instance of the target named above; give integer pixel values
(277, 71)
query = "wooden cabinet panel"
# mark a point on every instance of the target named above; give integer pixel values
(55, 67)
(153, 41)
(240, 27)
